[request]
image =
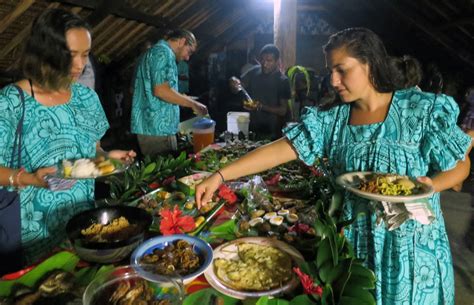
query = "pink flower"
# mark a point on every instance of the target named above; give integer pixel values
(308, 283)
(273, 180)
(169, 180)
(299, 228)
(196, 157)
(173, 223)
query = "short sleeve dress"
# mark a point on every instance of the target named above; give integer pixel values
(418, 137)
(51, 134)
(150, 115)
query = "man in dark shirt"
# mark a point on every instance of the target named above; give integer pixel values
(270, 89)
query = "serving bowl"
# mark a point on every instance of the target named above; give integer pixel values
(123, 285)
(199, 247)
(111, 250)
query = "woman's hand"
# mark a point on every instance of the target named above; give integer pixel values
(36, 178)
(126, 156)
(426, 180)
(205, 190)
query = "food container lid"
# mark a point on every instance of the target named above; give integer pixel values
(204, 123)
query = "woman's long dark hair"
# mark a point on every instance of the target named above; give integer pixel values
(386, 73)
(46, 58)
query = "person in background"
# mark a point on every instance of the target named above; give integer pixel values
(87, 77)
(270, 90)
(467, 123)
(380, 126)
(468, 120)
(433, 80)
(63, 120)
(156, 100)
(251, 62)
(183, 77)
(468, 126)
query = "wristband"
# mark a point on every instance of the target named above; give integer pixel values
(220, 174)
(18, 174)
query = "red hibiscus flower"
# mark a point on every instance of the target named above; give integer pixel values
(273, 180)
(315, 171)
(308, 283)
(227, 194)
(154, 185)
(173, 223)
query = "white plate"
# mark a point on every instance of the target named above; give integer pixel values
(229, 251)
(351, 182)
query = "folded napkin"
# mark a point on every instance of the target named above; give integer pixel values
(394, 214)
(58, 184)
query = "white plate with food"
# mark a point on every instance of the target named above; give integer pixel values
(252, 267)
(385, 187)
(89, 168)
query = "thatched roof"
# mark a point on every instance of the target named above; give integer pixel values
(441, 31)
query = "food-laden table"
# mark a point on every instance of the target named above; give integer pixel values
(293, 204)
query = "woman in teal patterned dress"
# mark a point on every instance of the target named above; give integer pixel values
(378, 126)
(63, 120)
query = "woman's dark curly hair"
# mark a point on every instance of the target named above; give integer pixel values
(46, 58)
(386, 73)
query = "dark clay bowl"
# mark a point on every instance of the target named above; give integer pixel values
(109, 251)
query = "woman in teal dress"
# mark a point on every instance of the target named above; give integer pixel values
(63, 120)
(378, 126)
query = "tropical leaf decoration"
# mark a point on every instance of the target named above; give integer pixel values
(146, 175)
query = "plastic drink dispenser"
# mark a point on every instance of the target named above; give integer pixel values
(203, 133)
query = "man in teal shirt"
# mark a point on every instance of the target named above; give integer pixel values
(156, 100)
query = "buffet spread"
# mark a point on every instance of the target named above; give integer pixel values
(274, 238)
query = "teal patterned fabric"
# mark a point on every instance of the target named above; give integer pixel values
(418, 137)
(150, 115)
(51, 134)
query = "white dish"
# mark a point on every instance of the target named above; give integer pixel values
(229, 251)
(351, 182)
(92, 169)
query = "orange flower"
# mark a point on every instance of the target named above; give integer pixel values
(173, 223)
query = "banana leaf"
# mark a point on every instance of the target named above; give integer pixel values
(66, 261)
(209, 296)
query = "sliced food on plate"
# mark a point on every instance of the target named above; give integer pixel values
(258, 267)
(89, 168)
(385, 187)
(390, 184)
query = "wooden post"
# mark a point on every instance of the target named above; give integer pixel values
(284, 31)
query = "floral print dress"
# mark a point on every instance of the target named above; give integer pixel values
(418, 137)
(51, 134)
(150, 115)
